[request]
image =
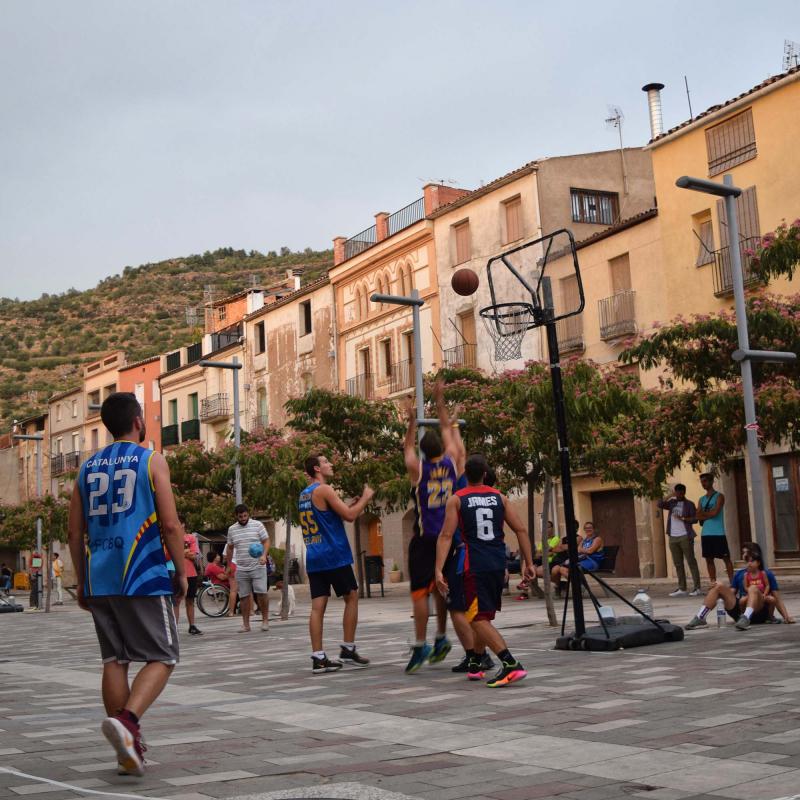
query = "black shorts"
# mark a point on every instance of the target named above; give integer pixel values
(483, 594)
(714, 547)
(191, 591)
(342, 580)
(135, 628)
(422, 564)
(759, 617)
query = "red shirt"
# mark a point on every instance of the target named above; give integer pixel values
(191, 543)
(216, 574)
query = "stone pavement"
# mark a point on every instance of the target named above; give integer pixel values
(715, 716)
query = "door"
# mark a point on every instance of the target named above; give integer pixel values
(375, 547)
(615, 521)
(784, 473)
(742, 504)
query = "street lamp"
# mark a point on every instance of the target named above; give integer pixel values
(744, 355)
(39, 438)
(233, 365)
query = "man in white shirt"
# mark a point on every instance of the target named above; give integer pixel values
(680, 530)
(251, 572)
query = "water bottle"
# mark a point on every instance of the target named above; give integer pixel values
(643, 603)
(720, 612)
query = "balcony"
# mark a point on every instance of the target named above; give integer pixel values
(225, 338)
(173, 360)
(462, 355)
(570, 335)
(259, 423)
(360, 242)
(617, 317)
(57, 465)
(194, 352)
(190, 430)
(215, 406)
(361, 386)
(72, 460)
(402, 376)
(169, 435)
(723, 271)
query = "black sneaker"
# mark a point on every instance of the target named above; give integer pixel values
(325, 664)
(195, 631)
(462, 665)
(347, 656)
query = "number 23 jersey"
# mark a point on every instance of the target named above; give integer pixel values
(481, 517)
(124, 550)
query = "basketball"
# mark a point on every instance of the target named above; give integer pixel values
(464, 281)
(256, 550)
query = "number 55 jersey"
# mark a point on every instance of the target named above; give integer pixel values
(481, 516)
(124, 549)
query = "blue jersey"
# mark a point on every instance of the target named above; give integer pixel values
(481, 516)
(430, 495)
(124, 550)
(323, 534)
(737, 584)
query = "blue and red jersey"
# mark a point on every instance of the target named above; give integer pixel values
(481, 517)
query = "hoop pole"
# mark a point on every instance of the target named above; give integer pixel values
(563, 456)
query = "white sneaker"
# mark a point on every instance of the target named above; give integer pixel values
(679, 593)
(695, 592)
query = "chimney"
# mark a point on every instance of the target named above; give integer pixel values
(437, 195)
(297, 274)
(381, 226)
(338, 249)
(654, 101)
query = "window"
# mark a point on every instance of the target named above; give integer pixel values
(221, 313)
(513, 214)
(364, 361)
(59, 446)
(95, 438)
(463, 247)
(408, 345)
(746, 215)
(308, 382)
(192, 405)
(305, 318)
(262, 409)
(731, 142)
(385, 356)
(261, 342)
(620, 273)
(76, 442)
(93, 402)
(58, 412)
(74, 408)
(704, 233)
(597, 208)
(109, 390)
(156, 391)
(357, 304)
(138, 390)
(172, 410)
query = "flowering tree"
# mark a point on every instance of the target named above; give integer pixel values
(18, 523)
(778, 253)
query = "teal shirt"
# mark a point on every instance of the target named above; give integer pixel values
(715, 526)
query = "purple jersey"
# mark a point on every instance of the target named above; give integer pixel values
(431, 494)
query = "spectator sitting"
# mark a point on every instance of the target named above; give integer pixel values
(557, 554)
(590, 555)
(289, 597)
(752, 597)
(6, 578)
(215, 572)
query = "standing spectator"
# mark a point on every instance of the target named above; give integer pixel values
(713, 541)
(6, 578)
(58, 579)
(682, 514)
(251, 572)
(190, 553)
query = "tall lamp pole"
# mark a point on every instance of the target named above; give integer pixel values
(744, 355)
(233, 365)
(38, 438)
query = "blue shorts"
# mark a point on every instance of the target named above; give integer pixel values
(589, 564)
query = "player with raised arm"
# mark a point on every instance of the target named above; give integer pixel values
(121, 516)
(329, 561)
(433, 481)
(481, 512)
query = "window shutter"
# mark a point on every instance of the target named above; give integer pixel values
(746, 214)
(513, 220)
(620, 273)
(462, 243)
(705, 247)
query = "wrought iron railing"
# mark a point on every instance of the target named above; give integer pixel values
(402, 376)
(407, 216)
(169, 435)
(259, 423)
(723, 271)
(194, 352)
(56, 465)
(190, 430)
(72, 460)
(617, 316)
(360, 242)
(360, 386)
(214, 406)
(173, 360)
(462, 355)
(570, 335)
(225, 338)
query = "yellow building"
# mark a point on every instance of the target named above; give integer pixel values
(749, 137)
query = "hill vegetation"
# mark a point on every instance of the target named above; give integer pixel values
(142, 311)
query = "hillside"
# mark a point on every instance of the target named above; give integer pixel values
(44, 342)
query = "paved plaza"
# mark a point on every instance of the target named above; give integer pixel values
(715, 716)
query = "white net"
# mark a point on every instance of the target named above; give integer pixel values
(507, 324)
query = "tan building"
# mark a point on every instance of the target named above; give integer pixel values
(748, 138)
(36, 425)
(66, 413)
(585, 193)
(289, 347)
(99, 381)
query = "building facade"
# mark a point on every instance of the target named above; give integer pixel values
(100, 379)
(66, 414)
(141, 379)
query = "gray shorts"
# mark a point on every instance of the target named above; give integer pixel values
(138, 628)
(251, 581)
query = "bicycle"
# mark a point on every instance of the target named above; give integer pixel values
(213, 599)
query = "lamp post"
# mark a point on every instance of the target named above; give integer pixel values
(232, 365)
(38, 438)
(744, 355)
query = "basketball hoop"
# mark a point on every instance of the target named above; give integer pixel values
(507, 324)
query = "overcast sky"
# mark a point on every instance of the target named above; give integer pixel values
(133, 131)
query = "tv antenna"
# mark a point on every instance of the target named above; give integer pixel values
(615, 119)
(440, 181)
(191, 315)
(791, 54)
